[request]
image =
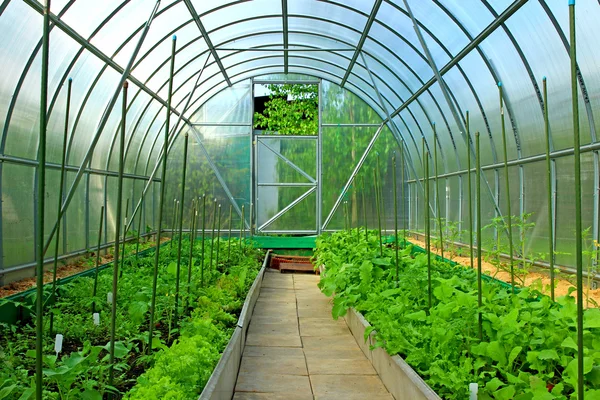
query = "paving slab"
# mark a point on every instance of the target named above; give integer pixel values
(272, 396)
(266, 351)
(329, 342)
(348, 387)
(274, 365)
(272, 383)
(318, 365)
(276, 340)
(323, 327)
(281, 328)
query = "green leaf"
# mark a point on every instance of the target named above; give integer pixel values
(27, 394)
(120, 349)
(172, 268)
(6, 391)
(417, 316)
(390, 292)
(368, 331)
(382, 261)
(366, 270)
(494, 384)
(496, 352)
(506, 393)
(339, 310)
(548, 354)
(514, 353)
(569, 343)
(591, 318)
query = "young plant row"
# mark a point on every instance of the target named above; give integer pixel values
(529, 344)
(79, 369)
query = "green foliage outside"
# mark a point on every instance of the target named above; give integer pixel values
(529, 345)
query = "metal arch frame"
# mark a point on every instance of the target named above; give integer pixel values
(206, 37)
(284, 23)
(363, 38)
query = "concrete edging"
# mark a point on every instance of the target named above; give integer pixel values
(222, 381)
(397, 376)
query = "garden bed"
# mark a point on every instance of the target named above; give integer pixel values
(528, 346)
(188, 350)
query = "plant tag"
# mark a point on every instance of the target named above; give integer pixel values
(473, 389)
(58, 343)
(109, 297)
(96, 317)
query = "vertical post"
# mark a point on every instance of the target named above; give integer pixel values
(427, 231)
(242, 230)
(203, 239)
(402, 195)
(470, 191)
(549, 174)
(60, 196)
(250, 218)
(437, 192)
(139, 231)
(229, 234)
(173, 220)
(212, 236)
(39, 318)
(191, 255)
(364, 205)
(179, 243)
(578, 227)
(507, 183)
(378, 210)
(162, 197)
(95, 290)
(478, 193)
(395, 211)
(115, 280)
(218, 238)
(124, 237)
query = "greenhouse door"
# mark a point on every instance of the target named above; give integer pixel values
(286, 184)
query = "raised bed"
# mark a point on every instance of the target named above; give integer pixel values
(397, 376)
(221, 384)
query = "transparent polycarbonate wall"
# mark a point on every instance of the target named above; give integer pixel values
(407, 63)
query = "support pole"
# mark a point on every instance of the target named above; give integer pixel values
(229, 234)
(507, 183)
(203, 239)
(60, 196)
(395, 211)
(124, 237)
(404, 220)
(212, 236)
(139, 232)
(549, 174)
(41, 190)
(470, 190)
(427, 231)
(174, 221)
(218, 238)
(478, 193)
(194, 214)
(364, 204)
(115, 280)
(437, 192)
(375, 179)
(95, 289)
(578, 227)
(242, 231)
(180, 242)
(161, 205)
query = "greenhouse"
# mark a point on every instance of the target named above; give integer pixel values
(299, 199)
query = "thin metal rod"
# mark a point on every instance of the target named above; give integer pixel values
(115, 280)
(549, 174)
(438, 211)
(427, 230)
(203, 239)
(404, 220)
(242, 230)
(218, 238)
(95, 289)
(364, 205)
(193, 216)
(41, 190)
(229, 234)
(139, 232)
(375, 180)
(470, 189)
(381, 199)
(60, 196)
(507, 183)
(395, 212)
(251, 218)
(180, 242)
(124, 236)
(212, 236)
(287, 161)
(161, 205)
(478, 201)
(174, 223)
(287, 208)
(578, 227)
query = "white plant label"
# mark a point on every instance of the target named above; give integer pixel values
(473, 389)
(96, 317)
(109, 297)
(58, 343)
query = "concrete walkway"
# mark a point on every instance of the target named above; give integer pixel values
(296, 351)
